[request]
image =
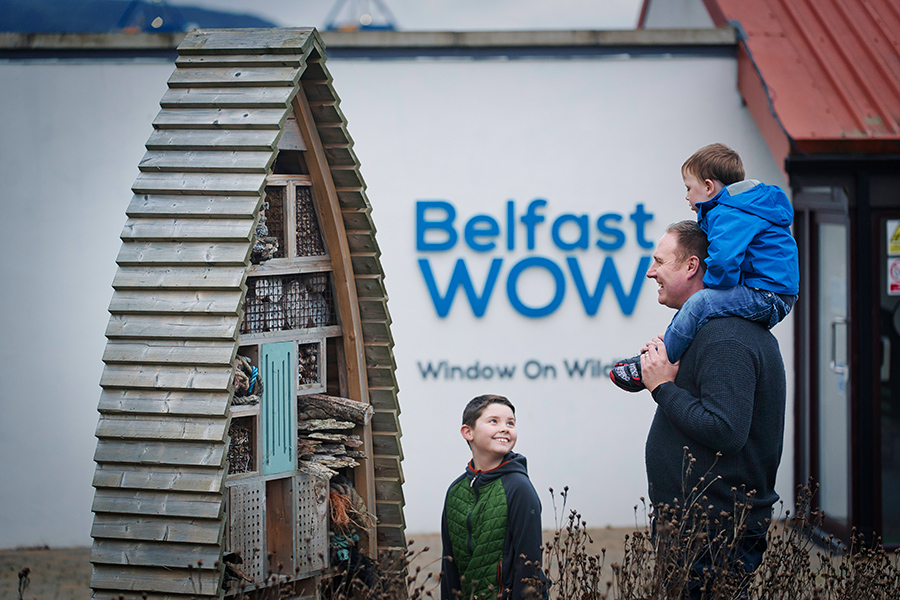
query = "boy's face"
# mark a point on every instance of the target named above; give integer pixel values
(494, 433)
(698, 191)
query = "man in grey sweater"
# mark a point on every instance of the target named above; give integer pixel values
(723, 403)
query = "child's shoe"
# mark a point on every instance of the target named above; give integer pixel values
(627, 374)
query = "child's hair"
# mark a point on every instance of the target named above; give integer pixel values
(476, 406)
(717, 162)
(691, 241)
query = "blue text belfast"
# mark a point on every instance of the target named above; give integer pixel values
(439, 231)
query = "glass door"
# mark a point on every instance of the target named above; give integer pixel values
(887, 409)
(833, 425)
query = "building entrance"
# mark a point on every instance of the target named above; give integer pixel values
(847, 426)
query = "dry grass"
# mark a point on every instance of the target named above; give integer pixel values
(588, 564)
(655, 562)
(54, 574)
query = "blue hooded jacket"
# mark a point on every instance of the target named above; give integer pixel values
(748, 225)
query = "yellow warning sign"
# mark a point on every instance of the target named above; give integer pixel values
(893, 231)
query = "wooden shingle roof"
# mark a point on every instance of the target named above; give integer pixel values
(178, 292)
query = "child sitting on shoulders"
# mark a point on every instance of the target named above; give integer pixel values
(752, 270)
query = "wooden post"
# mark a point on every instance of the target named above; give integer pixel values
(325, 196)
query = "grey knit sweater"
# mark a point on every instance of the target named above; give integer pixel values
(728, 397)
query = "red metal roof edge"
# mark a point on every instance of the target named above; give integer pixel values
(643, 16)
(715, 13)
(752, 88)
(826, 74)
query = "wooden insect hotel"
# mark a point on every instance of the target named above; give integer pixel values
(248, 436)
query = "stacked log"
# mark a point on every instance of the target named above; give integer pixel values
(326, 442)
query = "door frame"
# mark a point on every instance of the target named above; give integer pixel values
(816, 205)
(861, 188)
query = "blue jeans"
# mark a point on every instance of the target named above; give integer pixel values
(754, 304)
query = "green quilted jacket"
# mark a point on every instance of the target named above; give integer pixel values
(490, 519)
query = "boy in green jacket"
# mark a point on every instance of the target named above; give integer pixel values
(491, 523)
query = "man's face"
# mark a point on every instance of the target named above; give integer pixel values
(671, 273)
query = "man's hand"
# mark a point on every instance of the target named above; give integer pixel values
(657, 340)
(655, 366)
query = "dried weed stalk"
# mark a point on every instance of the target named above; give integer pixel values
(799, 563)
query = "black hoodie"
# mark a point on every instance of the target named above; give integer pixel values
(472, 523)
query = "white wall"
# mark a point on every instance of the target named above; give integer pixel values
(669, 14)
(589, 136)
(71, 137)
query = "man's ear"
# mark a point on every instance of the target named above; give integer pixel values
(693, 266)
(467, 433)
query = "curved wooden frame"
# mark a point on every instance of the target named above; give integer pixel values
(173, 333)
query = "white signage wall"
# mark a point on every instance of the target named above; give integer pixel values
(71, 137)
(517, 203)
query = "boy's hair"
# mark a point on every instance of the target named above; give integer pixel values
(717, 162)
(476, 406)
(691, 241)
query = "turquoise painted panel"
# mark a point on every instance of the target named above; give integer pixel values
(278, 408)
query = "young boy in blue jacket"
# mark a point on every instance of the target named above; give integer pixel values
(491, 523)
(752, 270)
